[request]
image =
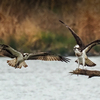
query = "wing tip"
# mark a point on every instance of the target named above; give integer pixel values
(65, 24)
(64, 59)
(61, 21)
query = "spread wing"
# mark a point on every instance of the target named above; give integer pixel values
(78, 40)
(8, 51)
(47, 57)
(92, 44)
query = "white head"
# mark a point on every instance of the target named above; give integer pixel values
(77, 48)
(25, 56)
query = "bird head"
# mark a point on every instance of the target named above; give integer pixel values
(25, 56)
(77, 48)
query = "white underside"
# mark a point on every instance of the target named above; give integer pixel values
(81, 58)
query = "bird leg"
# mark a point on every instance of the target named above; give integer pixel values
(83, 62)
(13, 63)
(22, 64)
(78, 64)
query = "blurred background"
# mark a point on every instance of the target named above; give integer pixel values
(33, 25)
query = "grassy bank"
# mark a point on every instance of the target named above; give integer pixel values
(46, 41)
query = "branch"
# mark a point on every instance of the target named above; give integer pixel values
(89, 73)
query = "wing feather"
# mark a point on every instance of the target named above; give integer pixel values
(78, 40)
(8, 51)
(88, 62)
(90, 45)
(47, 57)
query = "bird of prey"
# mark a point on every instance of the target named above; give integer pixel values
(19, 58)
(80, 49)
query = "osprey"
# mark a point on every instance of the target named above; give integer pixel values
(80, 49)
(19, 58)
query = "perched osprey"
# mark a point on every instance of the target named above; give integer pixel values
(19, 58)
(80, 49)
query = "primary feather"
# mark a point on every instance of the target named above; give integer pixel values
(47, 57)
(77, 38)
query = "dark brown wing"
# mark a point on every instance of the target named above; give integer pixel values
(8, 51)
(90, 45)
(7, 54)
(78, 40)
(47, 57)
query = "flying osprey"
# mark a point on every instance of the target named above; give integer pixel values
(19, 58)
(80, 49)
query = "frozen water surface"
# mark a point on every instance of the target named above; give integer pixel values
(43, 80)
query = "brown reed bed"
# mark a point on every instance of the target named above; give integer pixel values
(33, 25)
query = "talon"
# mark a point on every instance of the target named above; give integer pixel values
(9, 64)
(26, 66)
(15, 67)
(7, 61)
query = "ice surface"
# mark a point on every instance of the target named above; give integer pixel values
(43, 80)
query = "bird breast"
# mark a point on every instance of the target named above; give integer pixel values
(78, 53)
(20, 59)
